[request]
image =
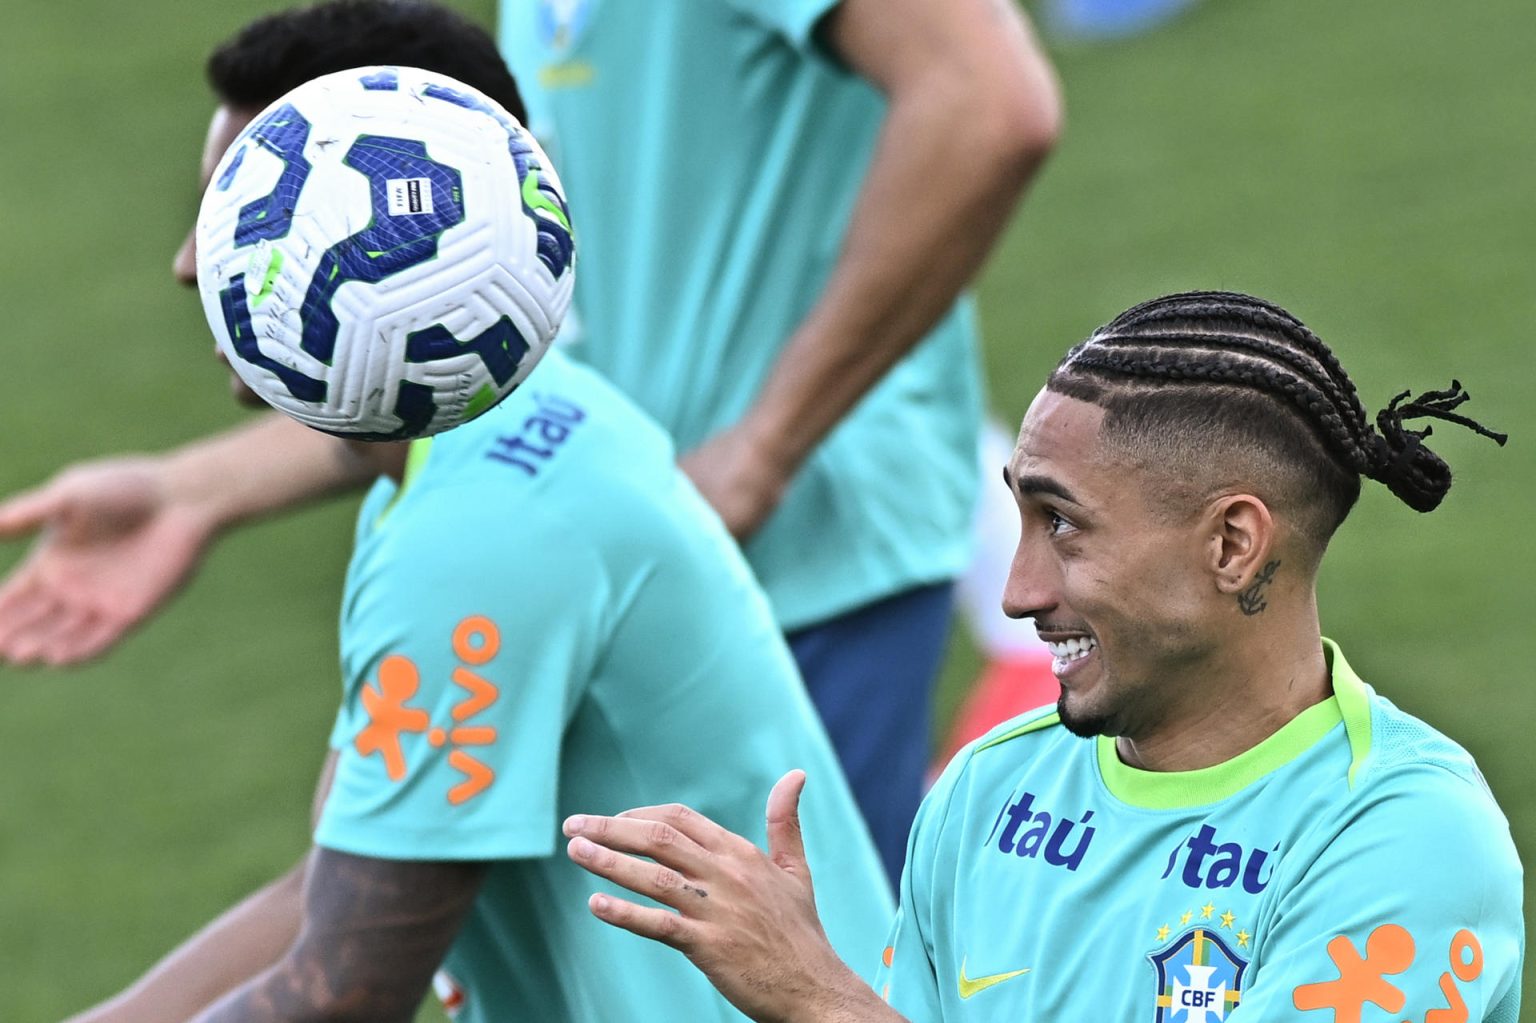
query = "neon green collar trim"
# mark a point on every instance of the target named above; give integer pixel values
(415, 461)
(1168, 790)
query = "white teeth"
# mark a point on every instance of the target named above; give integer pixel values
(1072, 649)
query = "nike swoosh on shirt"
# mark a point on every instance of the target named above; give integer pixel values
(969, 987)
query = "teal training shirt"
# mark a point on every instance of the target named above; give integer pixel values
(545, 620)
(711, 153)
(1352, 868)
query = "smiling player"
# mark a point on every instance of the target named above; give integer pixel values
(1219, 820)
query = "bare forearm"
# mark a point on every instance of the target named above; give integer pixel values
(336, 980)
(237, 946)
(850, 1000)
(959, 144)
(264, 466)
(868, 1010)
(286, 995)
(374, 932)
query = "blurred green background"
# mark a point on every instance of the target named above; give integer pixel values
(1366, 164)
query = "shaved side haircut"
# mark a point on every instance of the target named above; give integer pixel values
(1213, 390)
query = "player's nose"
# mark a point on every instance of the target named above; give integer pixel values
(1034, 581)
(184, 263)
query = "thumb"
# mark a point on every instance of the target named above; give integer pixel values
(30, 509)
(785, 845)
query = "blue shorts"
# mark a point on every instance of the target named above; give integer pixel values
(871, 674)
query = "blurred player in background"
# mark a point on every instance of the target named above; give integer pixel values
(541, 614)
(780, 205)
(781, 202)
(1249, 832)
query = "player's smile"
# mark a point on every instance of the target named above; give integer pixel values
(1068, 656)
(1071, 649)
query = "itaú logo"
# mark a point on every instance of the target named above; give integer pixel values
(390, 716)
(1030, 832)
(1208, 863)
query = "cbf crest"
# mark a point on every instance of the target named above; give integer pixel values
(1199, 978)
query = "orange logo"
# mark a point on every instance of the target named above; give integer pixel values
(475, 641)
(388, 716)
(1466, 966)
(1389, 950)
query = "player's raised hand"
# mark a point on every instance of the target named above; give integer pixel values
(745, 918)
(112, 546)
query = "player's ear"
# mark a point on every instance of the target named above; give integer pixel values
(1240, 541)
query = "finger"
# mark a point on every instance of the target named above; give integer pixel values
(653, 838)
(653, 880)
(786, 844)
(66, 643)
(22, 620)
(647, 921)
(100, 633)
(19, 591)
(59, 623)
(29, 509)
(688, 821)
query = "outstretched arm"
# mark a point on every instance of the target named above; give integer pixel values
(745, 918)
(119, 537)
(241, 943)
(244, 940)
(374, 932)
(973, 111)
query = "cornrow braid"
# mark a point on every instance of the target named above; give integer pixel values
(1257, 371)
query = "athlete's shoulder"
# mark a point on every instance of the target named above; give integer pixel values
(1402, 742)
(1415, 779)
(564, 412)
(1417, 791)
(566, 440)
(1017, 739)
(1387, 743)
(1040, 719)
(1393, 750)
(1003, 750)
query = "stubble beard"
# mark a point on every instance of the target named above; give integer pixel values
(1084, 726)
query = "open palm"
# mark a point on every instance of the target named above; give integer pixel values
(112, 547)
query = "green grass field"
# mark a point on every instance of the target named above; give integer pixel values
(1365, 164)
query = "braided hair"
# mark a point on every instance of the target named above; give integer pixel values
(1186, 375)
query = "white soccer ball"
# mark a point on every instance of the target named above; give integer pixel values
(384, 253)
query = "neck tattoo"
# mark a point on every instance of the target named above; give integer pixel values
(1251, 600)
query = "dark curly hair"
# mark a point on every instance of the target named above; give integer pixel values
(277, 53)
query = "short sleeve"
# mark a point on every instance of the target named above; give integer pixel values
(467, 637)
(1412, 911)
(795, 20)
(908, 976)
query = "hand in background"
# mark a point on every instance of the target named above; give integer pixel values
(113, 546)
(737, 478)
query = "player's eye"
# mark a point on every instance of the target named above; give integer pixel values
(1056, 525)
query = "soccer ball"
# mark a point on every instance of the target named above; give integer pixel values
(384, 253)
